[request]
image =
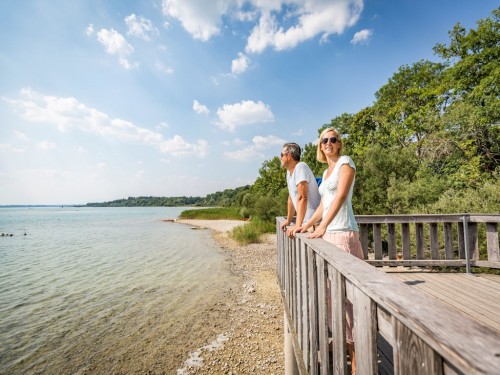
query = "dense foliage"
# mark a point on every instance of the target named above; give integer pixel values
(430, 143)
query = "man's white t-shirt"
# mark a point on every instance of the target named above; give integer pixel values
(302, 172)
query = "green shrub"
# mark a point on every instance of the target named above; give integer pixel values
(215, 213)
(251, 232)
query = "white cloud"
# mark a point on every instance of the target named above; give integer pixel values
(45, 145)
(268, 141)
(68, 113)
(283, 24)
(177, 146)
(200, 18)
(115, 44)
(254, 150)
(89, 30)
(200, 108)
(362, 37)
(245, 113)
(140, 27)
(298, 133)
(240, 65)
(310, 19)
(164, 69)
(21, 136)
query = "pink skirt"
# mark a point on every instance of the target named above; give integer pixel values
(349, 242)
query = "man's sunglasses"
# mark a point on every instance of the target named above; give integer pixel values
(331, 139)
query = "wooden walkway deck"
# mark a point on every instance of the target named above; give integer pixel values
(477, 296)
(414, 322)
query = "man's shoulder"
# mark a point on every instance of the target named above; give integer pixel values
(303, 165)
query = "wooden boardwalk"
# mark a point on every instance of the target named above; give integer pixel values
(413, 322)
(477, 296)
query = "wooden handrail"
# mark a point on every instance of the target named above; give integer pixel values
(424, 246)
(426, 336)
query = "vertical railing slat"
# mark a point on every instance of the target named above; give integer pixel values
(448, 241)
(391, 240)
(305, 304)
(323, 315)
(363, 237)
(492, 242)
(338, 322)
(434, 240)
(412, 355)
(377, 240)
(419, 232)
(365, 333)
(313, 312)
(405, 240)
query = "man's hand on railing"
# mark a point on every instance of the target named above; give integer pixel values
(284, 225)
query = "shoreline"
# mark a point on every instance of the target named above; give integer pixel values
(250, 321)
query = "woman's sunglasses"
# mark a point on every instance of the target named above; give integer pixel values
(331, 139)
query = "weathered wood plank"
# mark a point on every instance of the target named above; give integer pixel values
(434, 240)
(444, 329)
(305, 303)
(365, 332)
(457, 295)
(377, 240)
(391, 240)
(323, 316)
(299, 294)
(419, 233)
(417, 263)
(405, 240)
(338, 322)
(363, 237)
(473, 241)
(492, 242)
(313, 312)
(448, 241)
(412, 355)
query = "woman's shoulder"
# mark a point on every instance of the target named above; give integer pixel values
(345, 159)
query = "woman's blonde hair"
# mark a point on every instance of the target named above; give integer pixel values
(320, 155)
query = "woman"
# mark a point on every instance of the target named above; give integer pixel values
(338, 224)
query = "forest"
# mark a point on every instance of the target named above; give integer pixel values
(429, 143)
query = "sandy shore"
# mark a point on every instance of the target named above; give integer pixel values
(251, 318)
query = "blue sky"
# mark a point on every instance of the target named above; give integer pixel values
(102, 100)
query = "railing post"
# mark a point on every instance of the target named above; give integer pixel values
(291, 367)
(466, 243)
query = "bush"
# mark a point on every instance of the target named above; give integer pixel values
(216, 213)
(250, 233)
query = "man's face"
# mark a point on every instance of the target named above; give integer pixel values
(285, 157)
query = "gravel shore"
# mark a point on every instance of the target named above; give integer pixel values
(250, 319)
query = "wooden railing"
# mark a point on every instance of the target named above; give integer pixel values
(430, 240)
(397, 329)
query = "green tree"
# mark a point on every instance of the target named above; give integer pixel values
(272, 178)
(473, 118)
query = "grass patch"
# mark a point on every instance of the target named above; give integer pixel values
(251, 232)
(214, 213)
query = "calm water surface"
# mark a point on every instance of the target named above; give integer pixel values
(79, 286)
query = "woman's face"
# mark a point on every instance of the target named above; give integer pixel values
(330, 144)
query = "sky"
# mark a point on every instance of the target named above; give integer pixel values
(104, 100)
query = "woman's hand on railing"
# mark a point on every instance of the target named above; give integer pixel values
(319, 231)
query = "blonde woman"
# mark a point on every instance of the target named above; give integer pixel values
(338, 224)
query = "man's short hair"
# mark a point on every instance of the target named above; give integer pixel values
(293, 149)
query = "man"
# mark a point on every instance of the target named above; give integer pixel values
(303, 194)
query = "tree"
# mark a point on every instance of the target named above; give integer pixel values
(408, 107)
(272, 178)
(473, 118)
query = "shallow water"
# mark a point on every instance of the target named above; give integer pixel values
(100, 290)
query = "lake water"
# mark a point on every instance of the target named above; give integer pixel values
(101, 290)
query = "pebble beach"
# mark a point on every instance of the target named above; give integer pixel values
(250, 315)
